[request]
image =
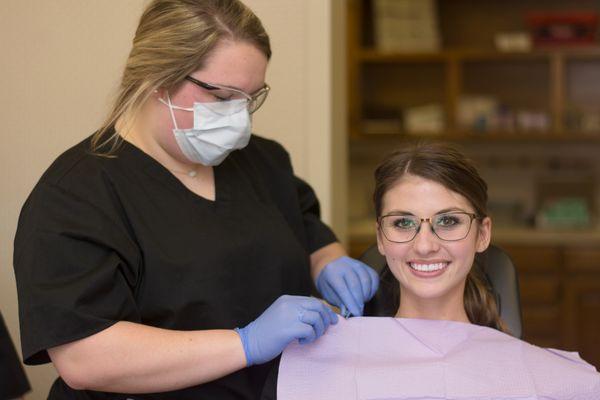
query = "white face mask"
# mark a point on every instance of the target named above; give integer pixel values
(219, 128)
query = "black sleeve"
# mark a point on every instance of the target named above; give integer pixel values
(76, 270)
(270, 389)
(302, 200)
(318, 234)
(13, 382)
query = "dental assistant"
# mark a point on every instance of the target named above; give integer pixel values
(171, 254)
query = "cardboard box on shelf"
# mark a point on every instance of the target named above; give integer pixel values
(424, 120)
(406, 25)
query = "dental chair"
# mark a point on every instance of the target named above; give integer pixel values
(495, 265)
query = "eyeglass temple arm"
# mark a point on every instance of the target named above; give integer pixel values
(203, 85)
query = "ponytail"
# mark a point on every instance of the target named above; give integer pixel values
(480, 304)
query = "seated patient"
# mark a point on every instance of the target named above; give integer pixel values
(447, 340)
(431, 212)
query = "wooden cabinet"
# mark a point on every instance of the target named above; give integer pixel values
(581, 306)
(560, 279)
(560, 296)
(555, 84)
(581, 310)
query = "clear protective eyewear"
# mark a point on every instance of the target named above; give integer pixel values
(448, 226)
(221, 93)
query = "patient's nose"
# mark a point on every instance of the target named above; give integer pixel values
(426, 241)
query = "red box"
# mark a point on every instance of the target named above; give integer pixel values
(563, 28)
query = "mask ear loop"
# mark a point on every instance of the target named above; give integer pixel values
(171, 110)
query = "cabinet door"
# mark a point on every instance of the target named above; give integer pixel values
(538, 268)
(581, 328)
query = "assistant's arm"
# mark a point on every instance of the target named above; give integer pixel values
(134, 358)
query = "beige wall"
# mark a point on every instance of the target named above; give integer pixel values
(61, 61)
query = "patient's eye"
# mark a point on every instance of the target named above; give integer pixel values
(401, 222)
(449, 220)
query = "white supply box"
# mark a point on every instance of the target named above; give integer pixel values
(424, 120)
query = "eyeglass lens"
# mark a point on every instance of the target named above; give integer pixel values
(253, 103)
(447, 226)
(215, 93)
(257, 100)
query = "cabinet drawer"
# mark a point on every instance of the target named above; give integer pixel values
(582, 259)
(539, 289)
(541, 322)
(534, 259)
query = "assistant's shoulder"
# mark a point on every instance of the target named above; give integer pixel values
(269, 151)
(76, 165)
(77, 185)
(76, 176)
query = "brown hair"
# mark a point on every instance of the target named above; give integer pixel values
(447, 166)
(173, 39)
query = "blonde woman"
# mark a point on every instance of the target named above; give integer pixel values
(171, 254)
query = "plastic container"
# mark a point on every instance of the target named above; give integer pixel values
(563, 28)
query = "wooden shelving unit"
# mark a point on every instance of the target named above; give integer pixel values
(540, 79)
(560, 279)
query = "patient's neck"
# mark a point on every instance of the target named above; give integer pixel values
(448, 308)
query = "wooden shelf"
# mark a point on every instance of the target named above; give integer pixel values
(496, 137)
(554, 79)
(378, 56)
(547, 80)
(374, 55)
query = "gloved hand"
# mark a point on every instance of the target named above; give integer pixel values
(287, 319)
(348, 283)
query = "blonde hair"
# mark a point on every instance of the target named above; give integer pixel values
(173, 39)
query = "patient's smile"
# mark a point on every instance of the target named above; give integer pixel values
(428, 269)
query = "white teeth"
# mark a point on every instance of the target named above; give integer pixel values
(427, 267)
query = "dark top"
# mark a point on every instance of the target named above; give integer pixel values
(13, 382)
(102, 240)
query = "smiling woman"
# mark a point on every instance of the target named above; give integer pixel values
(432, 219)
(447, 340)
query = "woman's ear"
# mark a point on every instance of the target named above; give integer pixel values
(484, 234)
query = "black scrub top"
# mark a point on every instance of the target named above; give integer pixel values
(102, 240)
(13, 382)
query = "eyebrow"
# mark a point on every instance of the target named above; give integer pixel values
(445, 210)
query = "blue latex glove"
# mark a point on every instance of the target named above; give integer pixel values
(287, 319)
(348, 284)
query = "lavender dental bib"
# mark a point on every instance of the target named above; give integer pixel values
(372, 358)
